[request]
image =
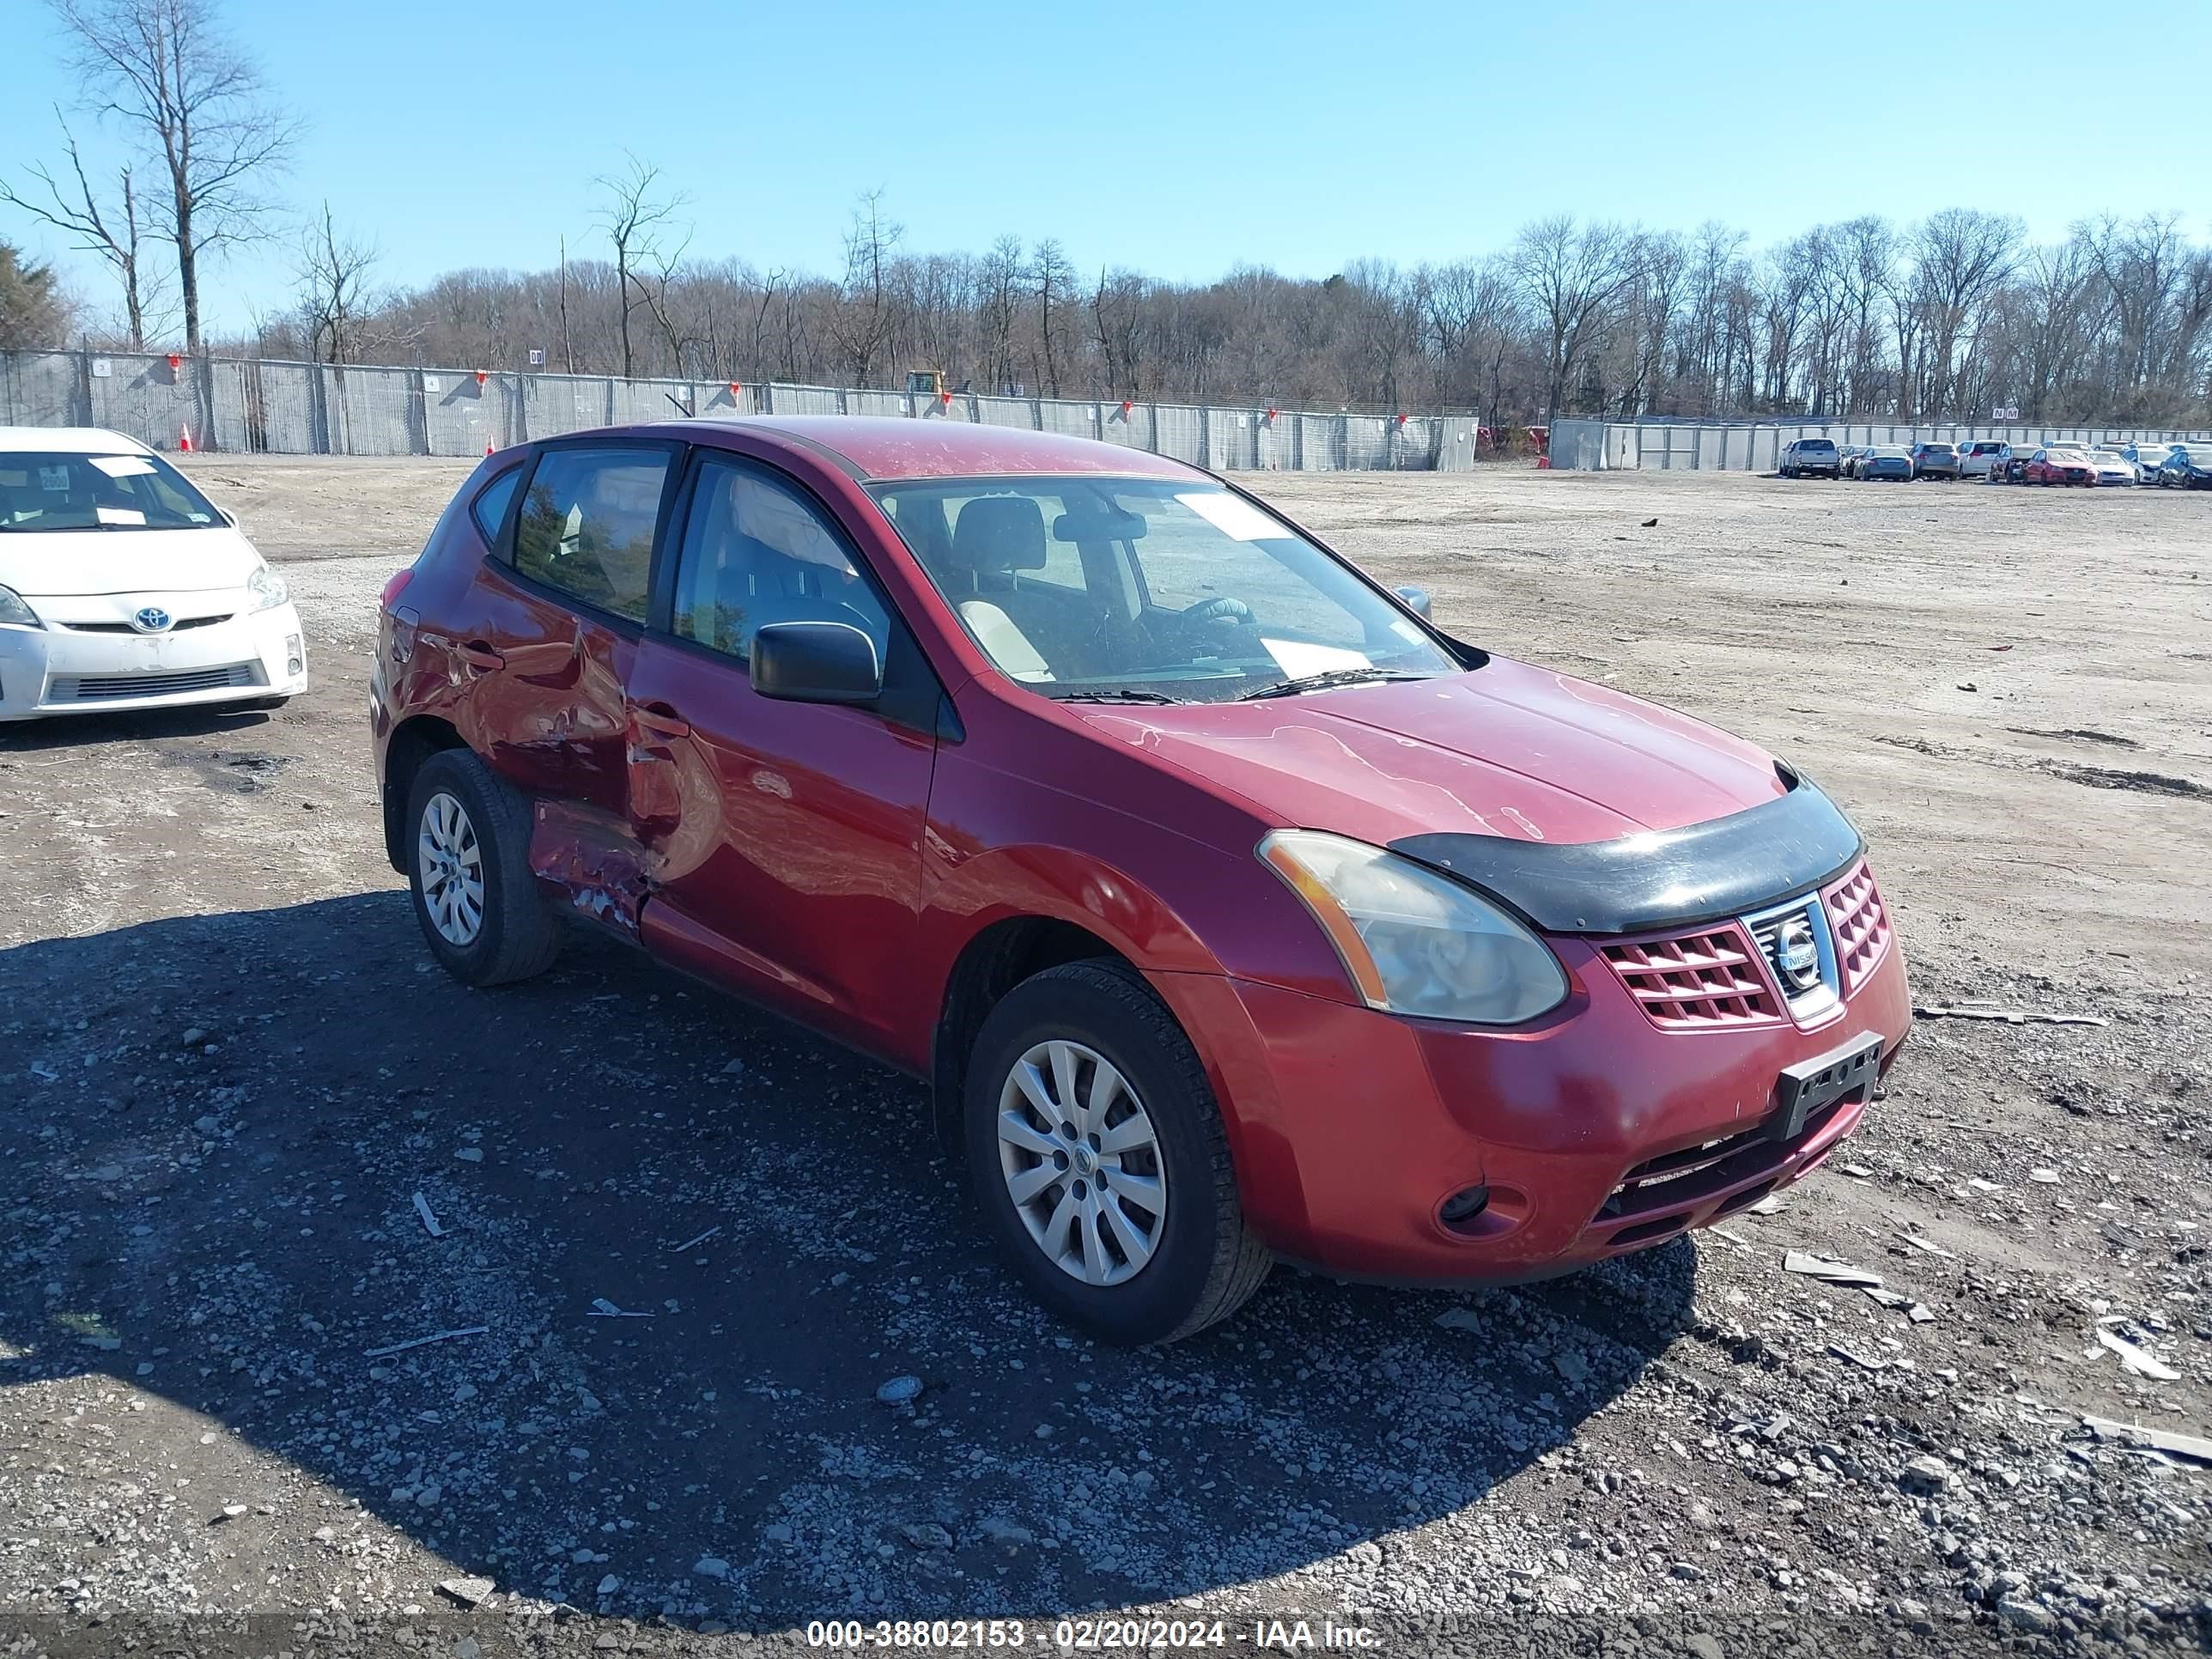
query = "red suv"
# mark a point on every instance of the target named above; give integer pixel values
(1233, 909)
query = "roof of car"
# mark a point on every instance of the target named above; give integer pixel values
(69, 440)
(895, 447)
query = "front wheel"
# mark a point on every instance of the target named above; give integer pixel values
(468, 869)
(1097, 1153)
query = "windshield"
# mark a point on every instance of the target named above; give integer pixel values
(2195, 454)
(41, 491)
(1149, 590)
(1889, 452)
(1937, 449)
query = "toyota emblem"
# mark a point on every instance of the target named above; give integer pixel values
(152, 620)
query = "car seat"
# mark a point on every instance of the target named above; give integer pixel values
(994, 537)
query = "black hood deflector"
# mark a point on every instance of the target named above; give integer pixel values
(1664, 878)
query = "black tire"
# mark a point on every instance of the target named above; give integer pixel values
(1206, 1260)
(518, 936)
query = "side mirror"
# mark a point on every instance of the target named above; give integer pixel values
(816, 662)
(1416, 599)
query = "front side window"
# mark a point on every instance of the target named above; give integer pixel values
(757, 551)
(587, 522)
(1149, 589)
(42, 491)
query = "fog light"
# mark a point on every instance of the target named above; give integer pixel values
(1464, 1204)
(295, 657)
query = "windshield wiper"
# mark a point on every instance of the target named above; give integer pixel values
(1291, 688)
(1120, 694)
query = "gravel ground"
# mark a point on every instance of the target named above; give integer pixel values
(232, 1071)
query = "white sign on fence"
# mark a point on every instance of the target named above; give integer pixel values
(538, 356)
(101, 369)
(2005, 412)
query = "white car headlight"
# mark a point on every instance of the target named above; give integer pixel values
(1414, 941)
(13, 611)
(267, 587)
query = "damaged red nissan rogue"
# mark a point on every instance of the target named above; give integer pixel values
(1234, 910)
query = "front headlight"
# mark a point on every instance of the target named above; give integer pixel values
(13, 609)
(267, 587)
(1414, 942)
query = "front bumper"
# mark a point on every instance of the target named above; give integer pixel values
(62, 670)
(1595, 1132)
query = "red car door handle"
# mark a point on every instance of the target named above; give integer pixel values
(477, 654)
(660, 723)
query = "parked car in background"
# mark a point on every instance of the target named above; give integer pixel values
(1229, 908)
(1934, 460)
(2058, 465)
(2010, 466)
(2186, 467)
(1890, 461)
(1848, 458)
(121, 587)
(2111, 467)
(1809, 458)
(2147, 459)
(1977, 457)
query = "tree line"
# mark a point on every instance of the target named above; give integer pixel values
(1946, 316)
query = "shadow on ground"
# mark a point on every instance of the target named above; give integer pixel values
(230, 1223)
(85, 731)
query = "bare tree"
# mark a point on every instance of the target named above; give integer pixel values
(632, 215)
(863, 321)
(1961, 256)
(1000, 304)
(112, 232)
(1572, 276)
(333, 269)
(1051, 272)
(181, 91)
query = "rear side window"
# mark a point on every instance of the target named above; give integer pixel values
(587, 523)
(489, 507)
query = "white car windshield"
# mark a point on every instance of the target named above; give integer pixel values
(42, 491)
(1146, 590)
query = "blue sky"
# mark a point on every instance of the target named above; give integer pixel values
(1181, 139)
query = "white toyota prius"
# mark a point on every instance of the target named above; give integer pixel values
(121, 587)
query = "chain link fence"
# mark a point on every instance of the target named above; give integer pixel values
(278, 408)
(1756, 446)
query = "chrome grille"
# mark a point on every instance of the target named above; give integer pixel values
(177, 627)
(1800, 952)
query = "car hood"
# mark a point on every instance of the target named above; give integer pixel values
(60, 563)
(1508, 749)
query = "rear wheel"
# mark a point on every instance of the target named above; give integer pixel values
(1097, 1151)
(468, 869)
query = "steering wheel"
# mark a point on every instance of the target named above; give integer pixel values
(1224, 612)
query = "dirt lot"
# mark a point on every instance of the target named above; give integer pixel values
(231, 1069)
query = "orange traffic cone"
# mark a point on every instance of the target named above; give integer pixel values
(185, 439)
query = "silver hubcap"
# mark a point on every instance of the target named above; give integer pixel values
(1082, 1163)
(451, 866)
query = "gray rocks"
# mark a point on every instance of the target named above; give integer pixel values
(1926, 1475)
